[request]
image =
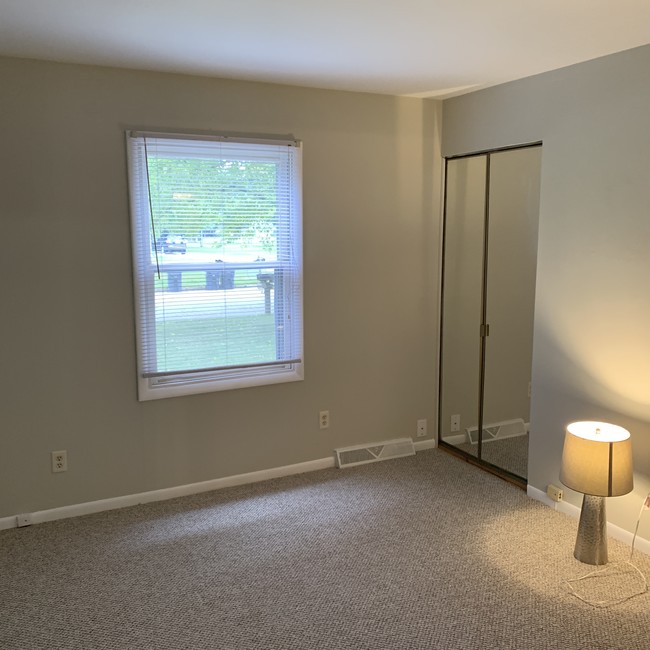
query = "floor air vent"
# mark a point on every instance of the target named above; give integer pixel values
(498, 430)
(360, 454)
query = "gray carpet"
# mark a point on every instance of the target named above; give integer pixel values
(507, 453)
(420, 552)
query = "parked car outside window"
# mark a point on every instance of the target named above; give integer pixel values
(172, 244)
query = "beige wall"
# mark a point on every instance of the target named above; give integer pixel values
(371, 204)
(591, 357)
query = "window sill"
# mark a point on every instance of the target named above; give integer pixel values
(150, 389)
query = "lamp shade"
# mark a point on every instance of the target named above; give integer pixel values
(597, 459)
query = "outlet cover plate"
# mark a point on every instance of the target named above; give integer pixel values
(60, 461)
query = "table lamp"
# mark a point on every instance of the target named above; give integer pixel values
(597, 461)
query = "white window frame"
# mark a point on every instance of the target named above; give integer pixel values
(227, 378)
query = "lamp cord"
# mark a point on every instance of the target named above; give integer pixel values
(644, 583)
(644, 506)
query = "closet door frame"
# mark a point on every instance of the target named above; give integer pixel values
(483, 326)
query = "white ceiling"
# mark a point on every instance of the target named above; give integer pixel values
(410, 47)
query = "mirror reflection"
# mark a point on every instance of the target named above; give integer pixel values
(489, 267)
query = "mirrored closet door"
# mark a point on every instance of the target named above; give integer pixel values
(489, 268)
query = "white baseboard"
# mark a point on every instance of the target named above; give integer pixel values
(456, 439)
(92, 507)
(421, 445)
(614, 531)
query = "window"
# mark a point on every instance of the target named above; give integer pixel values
(217, 249)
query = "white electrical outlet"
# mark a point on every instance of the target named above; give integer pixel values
(324, 419)
(554, 492)
(422, 428)
(455, 422)
(60, 461)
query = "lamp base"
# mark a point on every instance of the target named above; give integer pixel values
(591, 543)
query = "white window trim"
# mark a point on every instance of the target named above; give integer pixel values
(150, 388)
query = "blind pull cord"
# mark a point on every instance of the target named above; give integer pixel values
(153, 225)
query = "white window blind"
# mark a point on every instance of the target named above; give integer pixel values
(216, 227)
